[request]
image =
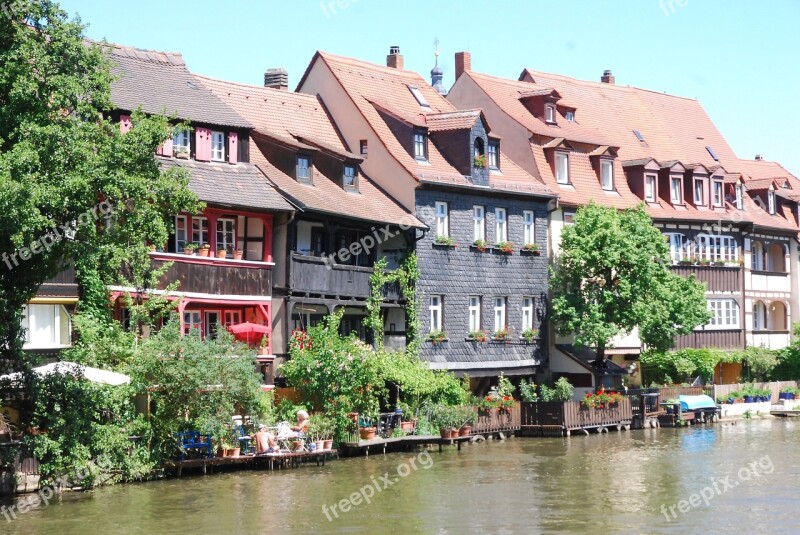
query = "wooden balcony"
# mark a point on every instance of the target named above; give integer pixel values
(62, 285)
(216, 276)
(717, 278)
(322, 276)
(719, 338)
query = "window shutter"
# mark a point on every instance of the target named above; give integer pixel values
(203, 145)
(244, 148)
(125, 123)
(166, 148)
(233, 147)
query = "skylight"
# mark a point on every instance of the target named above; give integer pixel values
(418, 95)
(638, 135)
(712, 153)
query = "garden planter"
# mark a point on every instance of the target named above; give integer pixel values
(785, 395)
(367, 433)
(407, 426)
(748, 399)
(319, 445)
(222, 253)
(237, 255)
(204, 251)
(447, 432)
(188, 252)
(465, 430)
(328, 444)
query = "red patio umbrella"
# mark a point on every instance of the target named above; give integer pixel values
(248, 332)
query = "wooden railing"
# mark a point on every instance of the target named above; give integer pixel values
(571, 415)
(717, 279)
(497, 420)
(322, 276)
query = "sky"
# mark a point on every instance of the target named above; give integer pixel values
(738, 58)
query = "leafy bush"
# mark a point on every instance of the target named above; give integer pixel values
(563, 390)
(527, 391)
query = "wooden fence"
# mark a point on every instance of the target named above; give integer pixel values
(645, 401)
(723, 391)
(568, 416)
(495, 421)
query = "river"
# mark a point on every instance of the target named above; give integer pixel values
(741, 478)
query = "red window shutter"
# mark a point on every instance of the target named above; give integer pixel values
(166, 148)
(125, 123)
(203, 141)
(233, 147)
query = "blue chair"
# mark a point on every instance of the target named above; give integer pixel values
(195, 441)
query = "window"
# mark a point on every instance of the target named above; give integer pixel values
(717, 193)
(181, 142)
(698, 192)
(192, 319)
(725, 313)
(478, 223)
(550, 113)
(717, 248)
(676, 247)
(474, 313)
(180, 232)
(304, 168)
(477, 149)
(569, 218)
(757, 256)
(494, 155)
(499, 314)
(218, 146)
(420, 145)
(46, 326)
(364, 147)
(738, 200)
(638, 135)
(713, 154)
(528, 228)
(675, 190)
(607, 174)
(226, 235)
(442, 219)
(650, 188)
(527, 313)
(771, 202)
(199, 230)
(349, 176)
(125, 318)
(501, 228)
(419, 96)
(562, 168)
(570, 116)
(232, 317)
(759, 316)
(212, 324)
(435, 308)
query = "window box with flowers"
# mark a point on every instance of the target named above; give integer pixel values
(506, 404)
(529, 335)
(477, 336)
(480, 161)
(504, 247)
(444, 241)
(487, 404)
(600, 399)
(437, 337)
(531, 249)
(501, 336)
(480, 245)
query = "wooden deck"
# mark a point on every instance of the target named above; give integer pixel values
(382, 445)
(269, 461)
(557, 418)
(785, 413)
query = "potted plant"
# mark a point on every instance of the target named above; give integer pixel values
(228, 443)
(529, 335)
(437, 337)
(704, 262)
(316, 432)
(527, 391)
(182, 153)
(466, 415)
(446, 419)
(445, 241)
(204, 249)
(685, 262)
(367, 429)
(477, 336)
(263, 345)
(501, 334)
(787, 392)
(531, 248)
(505, 247)
(480, 245)
(738, 396)
(238, 254)
(189, 248)
(563, 390)
(222, 253)
(480, 161)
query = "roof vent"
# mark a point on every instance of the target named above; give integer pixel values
(759, 157)
(607, 77)
(394, 59)
(277, 79)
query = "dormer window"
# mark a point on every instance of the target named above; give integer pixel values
(771, 202)
(650, 188)
(569, 116)
(419, 96)
(562, 167)
(675, 190)
(349, 178)
(478, 149)
(607, 174)
(698, 192)
(181, 143)
(550, 113)
(304, 169)
(738, 193)
(717, 193)
(218, 146)
(420, 145)
(364, 147)
(494, 154)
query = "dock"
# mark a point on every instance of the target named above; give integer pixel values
(268, 461)
(382, 445)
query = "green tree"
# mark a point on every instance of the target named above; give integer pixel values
(611, 276)
(65, 165)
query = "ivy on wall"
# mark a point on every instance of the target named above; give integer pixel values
(406, 276)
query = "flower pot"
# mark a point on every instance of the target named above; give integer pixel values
(319, 445)
(237, 255)
(367, 433)
(407, 426)
(738, 400)
(785, 395)
(446, 432)
(222, 253)
(188, 252)
(203, 251)
(465, 430)
(328, 444)
(748, 399)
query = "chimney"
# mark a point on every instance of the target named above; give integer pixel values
(277, 79)
(463, 63)
(607, 77)
(759, 157)
(395, 58)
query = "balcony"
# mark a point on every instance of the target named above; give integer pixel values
(322, 276)
(768, 281)
(62, 285)
(769, 339)
(215, 276)
(719, 338)
(717, 278)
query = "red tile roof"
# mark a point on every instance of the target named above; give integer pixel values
(296, 119)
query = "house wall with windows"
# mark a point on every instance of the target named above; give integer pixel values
(450, 275)
(768, 274)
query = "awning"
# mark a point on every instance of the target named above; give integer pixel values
(95, 375)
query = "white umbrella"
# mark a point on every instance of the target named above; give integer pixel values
(95, 375)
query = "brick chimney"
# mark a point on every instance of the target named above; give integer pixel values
(759, 157)
(395, 58)
(607, 77)
(463, 63)
(277, 79)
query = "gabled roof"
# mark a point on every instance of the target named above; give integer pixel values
(298, 120)
(453, 120)
(160, 83)
(237, 186)
(375, 88)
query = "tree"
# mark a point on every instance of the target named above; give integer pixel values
(66, 169)
(611, 276)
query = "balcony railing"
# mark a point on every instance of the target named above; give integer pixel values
(216, 276)
(322, 276)
(726, 278)
(721, 338)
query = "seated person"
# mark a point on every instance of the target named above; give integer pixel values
(302, 423)
(265, 441)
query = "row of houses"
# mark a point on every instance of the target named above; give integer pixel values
(305, 190)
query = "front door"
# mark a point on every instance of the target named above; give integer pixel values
(212, 324)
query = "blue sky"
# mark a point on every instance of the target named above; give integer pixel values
(738, 58)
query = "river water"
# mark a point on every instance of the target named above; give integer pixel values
(741, 478)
